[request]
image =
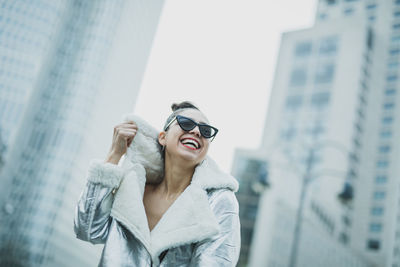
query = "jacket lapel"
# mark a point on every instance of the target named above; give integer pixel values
(188, 220)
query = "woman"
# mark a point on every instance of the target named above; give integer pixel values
(166, 203)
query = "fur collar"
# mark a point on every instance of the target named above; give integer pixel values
(189, 219)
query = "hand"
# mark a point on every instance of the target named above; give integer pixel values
(122, 139)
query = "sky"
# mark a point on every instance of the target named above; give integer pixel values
(221, 55)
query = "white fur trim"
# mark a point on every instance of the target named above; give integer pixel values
(145, 150)
(105, 173)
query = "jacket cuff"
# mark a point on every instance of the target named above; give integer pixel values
(104, 173)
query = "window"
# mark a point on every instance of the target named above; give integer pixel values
(384, 149)
(381, 179)
(328, 46)
(388, 106)
(382, 164)
(376, 211)
(298, 77)
(390, 91)
(387, 120)
(386, 134)
(396, 14)
(288, 133)
(324, 73)
(303, 49)
(379, 195)
(396, 26)
(348, 11)
(294, 102)
(331, 2)
(375, 227)
(320, 99)
(394, 52)
(373, 244)
(371, 6)
(393, 65)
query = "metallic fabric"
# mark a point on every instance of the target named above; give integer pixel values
(93, 223)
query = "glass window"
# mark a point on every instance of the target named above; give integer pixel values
(395, 39)
(393, 65)
(298, 77)
(379, 195)
(384, 149)
(381, 179)
(386, 134)
(331, 2)
(373, 244)
(387, 120)
(348, 11)
(288, 133)
(371, 6)
(388, 106)
(394, 52)
(328, 46)
(324, 73)
(294, 102)
(390, 91)
(396, 13)
(375, 227)
(382, 164)
(320, 99)
(303, 49)
(396, 26)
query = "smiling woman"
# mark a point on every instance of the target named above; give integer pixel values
(167, 203)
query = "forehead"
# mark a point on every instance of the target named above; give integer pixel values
(194, 114)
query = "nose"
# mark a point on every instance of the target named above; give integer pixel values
(195, 131)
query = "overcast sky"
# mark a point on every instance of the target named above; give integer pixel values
(221, 55)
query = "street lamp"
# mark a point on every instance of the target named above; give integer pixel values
(308, 177)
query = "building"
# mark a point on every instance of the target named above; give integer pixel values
(331, 131)
(69, 71)
(250, 168)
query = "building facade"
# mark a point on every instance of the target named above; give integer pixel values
(69, 70)
(330, 141)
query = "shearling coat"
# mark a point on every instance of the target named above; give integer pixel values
(201, 228)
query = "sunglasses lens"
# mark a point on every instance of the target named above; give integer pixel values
(206, 131)
(186, 124)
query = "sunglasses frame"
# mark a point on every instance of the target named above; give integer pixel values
(195, 124)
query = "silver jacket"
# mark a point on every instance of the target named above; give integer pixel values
(201, 228)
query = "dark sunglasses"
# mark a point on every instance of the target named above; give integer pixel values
(187, 124)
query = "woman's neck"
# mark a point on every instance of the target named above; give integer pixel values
(177, 176)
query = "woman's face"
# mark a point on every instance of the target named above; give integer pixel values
(179, 143)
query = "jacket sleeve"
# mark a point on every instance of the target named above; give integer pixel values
(92, 213)
(224, 248)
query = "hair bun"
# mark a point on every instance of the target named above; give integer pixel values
(182, 105)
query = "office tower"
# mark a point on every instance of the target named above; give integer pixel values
(250, 168)
(69, 70)
(330, 141)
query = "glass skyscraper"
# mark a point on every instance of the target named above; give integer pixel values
(54, 82)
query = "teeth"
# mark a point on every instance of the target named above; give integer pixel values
(190, 142)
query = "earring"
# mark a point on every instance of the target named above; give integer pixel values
(163, 148)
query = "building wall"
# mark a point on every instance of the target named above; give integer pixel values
(84, 69)
(313, 108)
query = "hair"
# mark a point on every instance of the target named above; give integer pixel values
(178, 108)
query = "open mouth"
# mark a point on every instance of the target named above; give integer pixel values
(190, 143)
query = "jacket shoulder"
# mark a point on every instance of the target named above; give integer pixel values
(224, 199)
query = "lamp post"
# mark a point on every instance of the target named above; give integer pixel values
(306, 179)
